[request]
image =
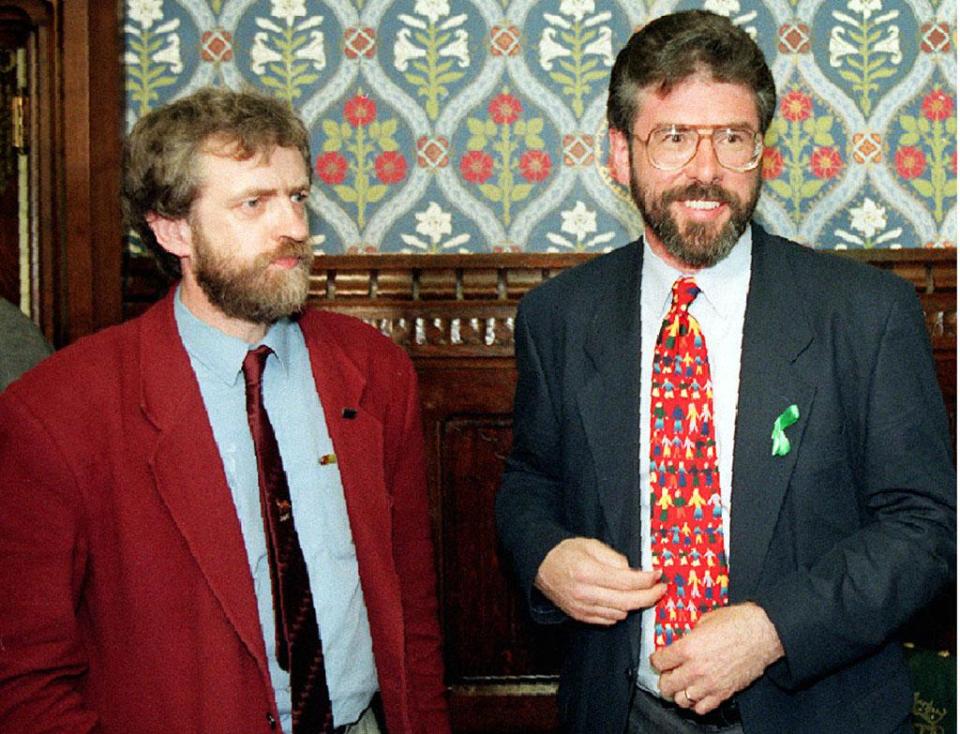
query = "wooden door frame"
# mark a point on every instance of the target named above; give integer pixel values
(76, 144)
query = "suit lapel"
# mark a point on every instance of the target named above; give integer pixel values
(357, 436)
(609, 402)
(189, 476)
(775, 333)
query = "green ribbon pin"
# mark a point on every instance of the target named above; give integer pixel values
(781, 444)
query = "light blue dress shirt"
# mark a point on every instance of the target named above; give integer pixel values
(720, 308)
(316, 492)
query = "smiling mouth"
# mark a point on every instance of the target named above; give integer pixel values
(703, 205)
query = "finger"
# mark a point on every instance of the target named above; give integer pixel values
(626, 601)
(631, 579)
(668, 658)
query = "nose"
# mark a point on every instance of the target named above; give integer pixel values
(293, 220)
(704, 165)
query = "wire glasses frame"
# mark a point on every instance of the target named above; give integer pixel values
(671, 147)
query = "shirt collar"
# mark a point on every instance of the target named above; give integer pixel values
(221, 353)
(723, 285)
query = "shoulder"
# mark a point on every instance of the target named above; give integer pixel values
(831, 278)
(355, 340)
(584, 284)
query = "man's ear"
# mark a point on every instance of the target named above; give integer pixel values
(619, 156)
(174, 235)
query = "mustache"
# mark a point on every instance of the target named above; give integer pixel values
(288, 247)
(712, 192)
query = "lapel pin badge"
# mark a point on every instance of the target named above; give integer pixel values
(781, 444)
(349, 413)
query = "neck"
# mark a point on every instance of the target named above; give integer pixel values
(658, 249)
(196, 301)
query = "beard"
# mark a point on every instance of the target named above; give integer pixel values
(252, 291)
(697, 244)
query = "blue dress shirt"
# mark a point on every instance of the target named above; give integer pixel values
(316, 492)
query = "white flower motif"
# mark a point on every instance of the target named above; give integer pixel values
(432, 9)
(602, 46)
(579, 221)
(170, 54)
(550, 50)
(576, 8)
(145, 12)
(722, 7)
(865, 7)
(458, 48)
(868, 218)
(262, 54)
(433, 222)
(840, 46)
(891, 45)
(288, 10)
(314, 51)
(404, 50)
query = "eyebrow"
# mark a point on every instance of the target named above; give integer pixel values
(270, 191)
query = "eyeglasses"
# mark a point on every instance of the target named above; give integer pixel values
(671, 147)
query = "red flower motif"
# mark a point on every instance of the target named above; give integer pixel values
(796, 106)
(391, 167)
(476, 166)
(825, 162)
(937, 106)
(504, 109)
(910, 162)
(360, 110)
(535, 165)
(331, 167)
(771, 164)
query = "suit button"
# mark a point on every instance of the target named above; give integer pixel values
(629, 673)
(272, 722)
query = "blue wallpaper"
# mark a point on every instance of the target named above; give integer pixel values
(466, 126)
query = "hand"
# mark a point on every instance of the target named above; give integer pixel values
(593, 583)
(728, 650)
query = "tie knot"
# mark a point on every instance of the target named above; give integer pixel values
(254, 363)
(685, 290)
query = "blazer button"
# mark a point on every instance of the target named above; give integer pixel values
(629, 673)
(272, 722)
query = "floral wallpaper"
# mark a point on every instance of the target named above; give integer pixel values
(467, 126)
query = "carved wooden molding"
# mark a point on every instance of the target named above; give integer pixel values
(463, 305)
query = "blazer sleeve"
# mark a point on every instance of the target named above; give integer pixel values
(42, 564)
(413, 556)
(529, 505)
(859, 592)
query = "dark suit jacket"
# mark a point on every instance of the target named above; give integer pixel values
(839, 541)
(126, 601)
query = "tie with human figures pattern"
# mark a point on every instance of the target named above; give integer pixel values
(686, 528)
(297, 637)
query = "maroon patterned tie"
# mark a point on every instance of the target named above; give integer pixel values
(297, 638)
(686, 528)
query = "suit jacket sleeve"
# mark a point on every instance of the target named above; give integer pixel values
(529, 508)
(413, 555)
(857, 594)
(43, 554)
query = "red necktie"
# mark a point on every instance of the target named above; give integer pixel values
(297, 637)
(686, 528)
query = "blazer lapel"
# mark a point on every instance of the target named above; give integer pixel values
(775, 333)
(358, 440)
(609, 403)
(189, 476)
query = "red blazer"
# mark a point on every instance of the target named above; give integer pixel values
(126, 602)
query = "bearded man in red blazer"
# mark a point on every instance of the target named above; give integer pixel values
(136, 590)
